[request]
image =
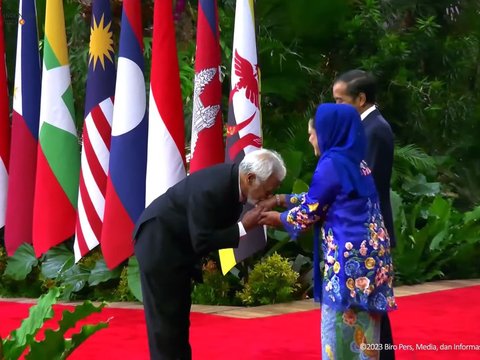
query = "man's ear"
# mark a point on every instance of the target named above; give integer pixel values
(362, 99)
(251, 178)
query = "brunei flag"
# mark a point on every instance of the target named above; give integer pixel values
(244, 130)
(125, 196)
(58, 160)
(25, 118)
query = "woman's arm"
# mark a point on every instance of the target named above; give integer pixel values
(324, 188)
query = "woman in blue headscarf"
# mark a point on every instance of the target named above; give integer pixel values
(356, 286)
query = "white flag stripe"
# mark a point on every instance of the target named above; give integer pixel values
(244, 35)
(17, 88)
(3, 191)
(244, 43)
(91, 239)
(93, 190)
(163, 156)
(98, 145)
(76, 249)
(107, 109)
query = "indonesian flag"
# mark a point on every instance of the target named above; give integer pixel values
(58, 161)
(97, 129)
(125, 197)
(4, 126)
(25, 119)
(166, 130)
(207, 129)
(244, 130)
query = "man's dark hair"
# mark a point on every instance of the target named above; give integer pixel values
(359, 81)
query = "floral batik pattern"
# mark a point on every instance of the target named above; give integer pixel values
(302, 213)
(294, 200)
(359, 274)
(349, 334)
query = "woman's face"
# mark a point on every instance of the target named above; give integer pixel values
(312, 138)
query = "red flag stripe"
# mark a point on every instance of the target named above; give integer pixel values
(90, 211)
(101, 123)
(96, 168)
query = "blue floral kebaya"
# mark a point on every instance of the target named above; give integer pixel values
(356, 247)
(356, 285)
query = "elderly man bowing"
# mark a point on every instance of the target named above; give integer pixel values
(198, 215)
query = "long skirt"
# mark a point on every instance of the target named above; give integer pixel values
(350, 334)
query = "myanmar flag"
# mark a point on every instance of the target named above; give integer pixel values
(58, 159)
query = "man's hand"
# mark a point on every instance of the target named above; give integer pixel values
(271, 218)
(252, 217)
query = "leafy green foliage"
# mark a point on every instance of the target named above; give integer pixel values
(271, 281)
(101, 273)
(57, 260)
(133, 276)
(22, 337)
(54, 345)
(21, 263)
(3, 260)
(431, 237)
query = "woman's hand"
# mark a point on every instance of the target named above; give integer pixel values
(272, 201)
(270, 218)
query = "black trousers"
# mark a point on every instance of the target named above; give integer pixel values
(386, 339)
(166, 290)
(167, 305)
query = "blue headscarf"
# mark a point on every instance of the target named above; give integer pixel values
(341, 137)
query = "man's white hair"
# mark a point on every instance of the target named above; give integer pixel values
(263, 163)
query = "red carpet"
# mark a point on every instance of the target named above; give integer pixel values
(449, 317)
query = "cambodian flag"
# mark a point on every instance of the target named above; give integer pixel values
(25, 121)
(207, 128)
(125, 194)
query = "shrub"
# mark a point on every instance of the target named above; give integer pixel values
(272, 280)
(216, 289)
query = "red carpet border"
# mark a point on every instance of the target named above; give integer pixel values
(439, 325)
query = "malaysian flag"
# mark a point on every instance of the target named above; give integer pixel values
(97, 130)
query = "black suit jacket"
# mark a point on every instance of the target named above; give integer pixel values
(197, 215)
(380, 146)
